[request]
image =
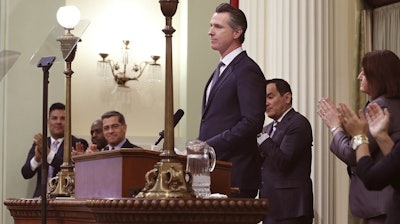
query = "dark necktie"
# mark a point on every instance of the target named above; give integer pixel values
(216, 73)
(108, 148)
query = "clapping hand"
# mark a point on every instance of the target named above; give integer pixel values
(378, 120)
(78, 150)
(38, 140)
(92, 148)
(353, 124)
(328, 112)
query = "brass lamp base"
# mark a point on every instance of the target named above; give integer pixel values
(63, 185)
(167, 180)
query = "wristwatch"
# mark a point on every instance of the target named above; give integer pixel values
(358, 140)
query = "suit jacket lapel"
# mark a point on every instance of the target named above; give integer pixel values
(225, 74)
(286, 119)
(214, 87)
(268, 128)
(204, 104)
(219, 82)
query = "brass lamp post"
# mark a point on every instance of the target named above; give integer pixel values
(63, 185)
(168, 179)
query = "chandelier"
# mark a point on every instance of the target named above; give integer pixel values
(122, 72)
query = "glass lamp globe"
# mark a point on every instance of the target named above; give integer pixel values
(68, 16)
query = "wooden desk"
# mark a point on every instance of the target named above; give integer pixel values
(121, 173)
(139, 211)
(103, 182)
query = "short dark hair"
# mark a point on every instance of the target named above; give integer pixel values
(382, 71)
(282, 86)
(121, 118)
(237, 18)
(56, 106)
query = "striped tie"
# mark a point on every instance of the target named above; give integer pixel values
(273, 128)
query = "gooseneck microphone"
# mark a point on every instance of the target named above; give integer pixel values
(177, 117)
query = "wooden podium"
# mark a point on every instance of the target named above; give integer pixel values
(121, 173)
(105, 182)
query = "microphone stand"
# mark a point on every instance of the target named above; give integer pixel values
(45, 63)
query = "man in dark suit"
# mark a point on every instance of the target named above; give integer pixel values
(55, 155)
(114, 130)
(285, 147)
(234, 102)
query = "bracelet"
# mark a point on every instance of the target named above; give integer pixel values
(334, 128)
(358, 140)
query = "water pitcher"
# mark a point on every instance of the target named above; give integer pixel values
(200, 162)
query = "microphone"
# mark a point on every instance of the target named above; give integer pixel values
(177, 117)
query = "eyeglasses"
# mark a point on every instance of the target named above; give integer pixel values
(112, 127)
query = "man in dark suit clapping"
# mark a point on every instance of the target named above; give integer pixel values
(55, 149)
(285, 147)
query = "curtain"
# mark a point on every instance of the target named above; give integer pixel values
(378, 29)
(386, 28)
(365, 45)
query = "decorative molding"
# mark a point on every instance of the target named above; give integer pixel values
(134, 210)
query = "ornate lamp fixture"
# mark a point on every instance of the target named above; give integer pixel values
(121, 73)
(168, 179)
(63, 185)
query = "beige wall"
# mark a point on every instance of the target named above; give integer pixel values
(26, 25)
(192, 62)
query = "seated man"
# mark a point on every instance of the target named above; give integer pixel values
(96, 134)
(55, 154)
(97, 138)
(114, 130)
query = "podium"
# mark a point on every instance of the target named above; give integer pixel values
(121, 173)
(105, 182)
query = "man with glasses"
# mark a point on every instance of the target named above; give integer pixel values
(114, 130)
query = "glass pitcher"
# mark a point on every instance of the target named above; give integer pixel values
(200, 162)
